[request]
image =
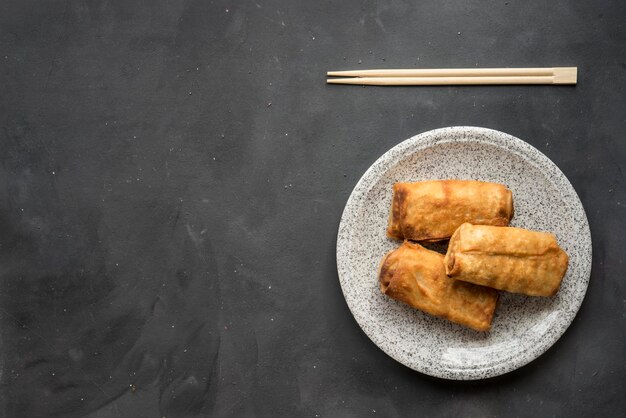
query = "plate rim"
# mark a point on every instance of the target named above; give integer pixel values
(531, 155)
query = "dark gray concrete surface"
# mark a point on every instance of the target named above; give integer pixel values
(173, 174)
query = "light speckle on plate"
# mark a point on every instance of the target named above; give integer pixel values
(523, 327)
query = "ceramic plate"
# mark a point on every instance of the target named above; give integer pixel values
(523, 327)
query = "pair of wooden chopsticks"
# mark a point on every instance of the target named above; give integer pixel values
(455, 76)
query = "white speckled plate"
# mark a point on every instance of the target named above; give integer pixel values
(523, 327)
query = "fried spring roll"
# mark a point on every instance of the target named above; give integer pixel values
(512, 259)
(416, 276)
(432, 210)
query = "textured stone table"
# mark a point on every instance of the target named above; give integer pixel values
(173, 174)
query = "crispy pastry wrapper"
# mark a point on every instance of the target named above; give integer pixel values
(432, 210)
(506, 258)
(416, 276)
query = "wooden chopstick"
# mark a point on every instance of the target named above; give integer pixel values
(453, 72)
(456, 76)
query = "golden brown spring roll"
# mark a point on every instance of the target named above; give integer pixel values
(416, 276)
(512, 259)
(432, 210)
